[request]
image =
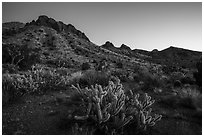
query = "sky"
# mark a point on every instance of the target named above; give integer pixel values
(148, 25)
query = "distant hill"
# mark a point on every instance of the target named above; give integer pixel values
(177, 56)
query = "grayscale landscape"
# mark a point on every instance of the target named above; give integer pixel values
(57, 81)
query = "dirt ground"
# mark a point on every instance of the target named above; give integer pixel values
(48, 115)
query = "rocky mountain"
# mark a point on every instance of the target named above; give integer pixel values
(59, 26)
(108, 45)
(172, 56)
(63, 45)
(125, 47)
(57, 44)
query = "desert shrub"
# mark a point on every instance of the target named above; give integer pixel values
(40, 80)
(85, 66)
(198, 74)
(13, 87)
(122, 75)
(109, 109)
(93, 77)
(23, 56)
(102, 65)
(176, 76)
(190, 97)
(150, 80)
(187, 97)
(75, 77)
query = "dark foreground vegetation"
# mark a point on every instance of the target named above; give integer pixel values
(56, 82)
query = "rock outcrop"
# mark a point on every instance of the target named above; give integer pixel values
(59, 26)
(108, 45)
(125, 47)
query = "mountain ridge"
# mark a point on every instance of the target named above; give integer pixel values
(42, 31)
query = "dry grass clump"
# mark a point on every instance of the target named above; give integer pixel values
(190, 97)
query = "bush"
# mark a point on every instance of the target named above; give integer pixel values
(40, 80)
(93, 77)
(13, 87)
(190, 97)
(150, 81)
(122, 75)
(37, 81)
(102, 65)
(177, 76)
(85, 66)
(109, 109)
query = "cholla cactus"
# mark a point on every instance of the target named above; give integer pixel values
(147, 119)
(111, 108)
(141, 110)
(121, 120)
(107, 103)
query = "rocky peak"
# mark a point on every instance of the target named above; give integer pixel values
(108, 44)
(59, 26)
(155, 51)
(42, 20)
(125, 47)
